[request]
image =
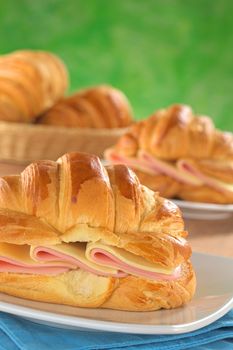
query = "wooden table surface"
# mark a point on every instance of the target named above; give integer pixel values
(213, 237)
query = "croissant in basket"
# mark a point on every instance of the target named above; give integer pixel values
(180, 155)
(30, 83)
(44, 123)
(97, 107)
(73, 232)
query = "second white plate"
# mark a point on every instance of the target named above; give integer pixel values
(204, 211)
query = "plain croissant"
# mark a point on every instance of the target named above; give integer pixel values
(77, 200)
(180, 155)
(96, 107)
(30, 83)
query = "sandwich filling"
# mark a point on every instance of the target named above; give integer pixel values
(182, 171)
(96, 258)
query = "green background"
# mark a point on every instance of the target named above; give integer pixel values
(157, 51)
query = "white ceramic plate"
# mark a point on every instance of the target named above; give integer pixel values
(214, 298)
(204, 211)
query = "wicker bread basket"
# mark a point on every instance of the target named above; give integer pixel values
(24, 143)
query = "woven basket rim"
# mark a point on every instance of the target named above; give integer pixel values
(24, 127)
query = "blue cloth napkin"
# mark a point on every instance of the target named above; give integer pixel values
(17, 333)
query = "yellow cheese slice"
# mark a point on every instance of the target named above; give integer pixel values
(174, 170)
(210, 181)
(82, 252)
(20, 253)
(169, 169)
(224, 185)
(127, 258)
(24, 254)
(77, 251)
(187, 177)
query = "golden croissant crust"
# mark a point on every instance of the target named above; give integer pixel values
(175, 133)
(77, 199)
(97, 107)
(30, 83)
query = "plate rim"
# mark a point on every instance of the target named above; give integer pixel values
(87, 324)
(201, 206)
(110, 326)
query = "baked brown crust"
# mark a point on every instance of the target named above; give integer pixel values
(171, 188)
(137, 294)
(96, 107)
(77, 199)
(75, 288)
(168, 187)
(20, 228)
(204, 194)
(217, 170)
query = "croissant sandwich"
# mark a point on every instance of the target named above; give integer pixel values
(180, 155)
(77, 233)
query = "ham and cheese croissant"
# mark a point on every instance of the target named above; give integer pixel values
(180, 155)
(30, 83)
(77, 233)
(96, 107)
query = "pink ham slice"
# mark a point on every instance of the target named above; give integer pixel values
(167, 169)
(48, 254)
(148, 164)
(65, 263)
(186, 166)
(132, 162)
(103, 257)
(10, 265)
(56, 263)
(184, 172)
